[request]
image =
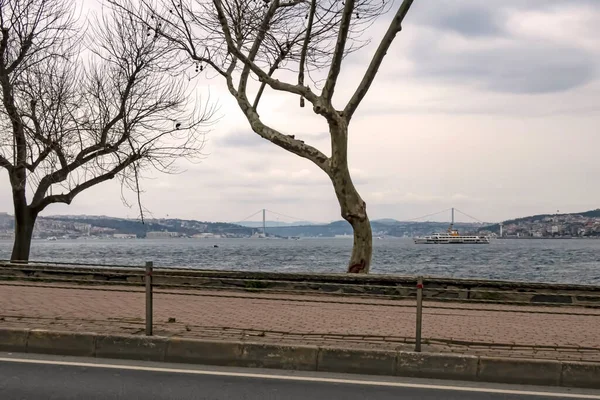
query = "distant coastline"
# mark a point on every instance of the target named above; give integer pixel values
(546, 226)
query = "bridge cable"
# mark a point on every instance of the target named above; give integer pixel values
(236, 222)
(428, 215)
(467, 215)
(286, 216)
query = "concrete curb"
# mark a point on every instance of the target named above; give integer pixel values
(306, 358)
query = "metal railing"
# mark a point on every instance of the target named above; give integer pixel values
(485, 292)
(429, 302)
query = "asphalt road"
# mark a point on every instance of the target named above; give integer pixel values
(46, 378)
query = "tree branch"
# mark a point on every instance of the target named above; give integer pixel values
(229, 75)
(3, 47)
(286, 142)
(95, 150)
(270, 73)
(338, 53)
(41, 157)
(22, 52)
(62, 174)
(18, 131)
(4, 163)
(262, 75)
(49, 145)
(136, 177)
(67, 198)
(208, 61)
(260, 37)
(291, 3)
(311, 17)
(384, 45)
(120, 115)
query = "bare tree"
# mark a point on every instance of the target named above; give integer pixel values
(270, 41)
(76, 115)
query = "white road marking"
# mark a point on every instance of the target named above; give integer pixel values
(302, 378)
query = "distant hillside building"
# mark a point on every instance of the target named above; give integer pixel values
(124, 236)
(161, 235)
(205, 235)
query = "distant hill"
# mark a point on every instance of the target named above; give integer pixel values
(387, 221)
(83, 225)
(588, 214)
(79, 225)
(591, 214)
(539, 218)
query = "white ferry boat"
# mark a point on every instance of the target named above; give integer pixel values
(452, 237)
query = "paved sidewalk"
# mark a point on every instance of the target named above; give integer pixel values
(564, 333)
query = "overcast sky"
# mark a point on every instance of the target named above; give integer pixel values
(488, 106)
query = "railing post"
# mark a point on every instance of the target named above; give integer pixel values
(419, 313)
(148, 279)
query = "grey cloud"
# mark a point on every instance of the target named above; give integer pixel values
(239, 139)
(509, 64)
(459, 14)
(471, 22)
(467, 18)
(455, 108)
(522, 67)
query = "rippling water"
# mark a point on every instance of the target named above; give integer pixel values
(565, 261)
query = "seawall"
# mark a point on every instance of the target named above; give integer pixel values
(389, 286)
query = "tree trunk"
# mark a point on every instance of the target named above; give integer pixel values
(24, 223)
(362, 250)
(354, 210)
(352, 206)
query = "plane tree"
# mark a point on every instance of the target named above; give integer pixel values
(295, 47)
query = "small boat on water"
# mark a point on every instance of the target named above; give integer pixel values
(452, 237)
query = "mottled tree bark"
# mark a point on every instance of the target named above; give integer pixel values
(352, 206)
(354, 210)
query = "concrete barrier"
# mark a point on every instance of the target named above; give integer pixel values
(63, 343)
(203, 352)
(131, 347)
(371, 362)
(523, 371)
(258, 355)
(309, 358)
(437, 366)
(581, 375)
(13, 339)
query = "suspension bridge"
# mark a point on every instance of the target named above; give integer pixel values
(265, 218)
(277, 216)
(447, 210)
